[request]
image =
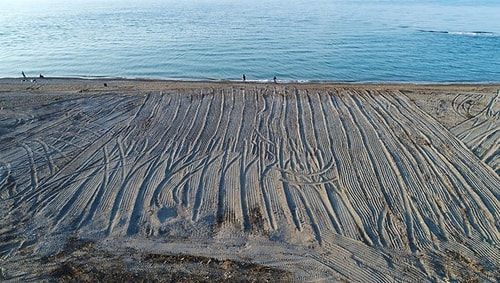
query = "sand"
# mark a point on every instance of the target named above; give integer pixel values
(120, 180)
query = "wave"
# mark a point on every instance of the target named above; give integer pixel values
(464, 33)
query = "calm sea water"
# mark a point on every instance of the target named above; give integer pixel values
(334, 40)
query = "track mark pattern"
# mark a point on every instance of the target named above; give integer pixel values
(334, 167)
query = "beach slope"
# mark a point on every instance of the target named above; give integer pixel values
(115, 180)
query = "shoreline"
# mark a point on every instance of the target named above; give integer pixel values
(60, 83)
(260, 81)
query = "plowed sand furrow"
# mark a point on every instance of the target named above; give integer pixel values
(331, 128)
(203, 197)
(248, 118)
(156, 123)
(124, 204)
(167, 170)
(322, 127)
(377, 151)
(79, 207)
(321, 210)
(426, 203)
(102, 210)
(244, 189)
(236, 123)
(369, 193)
(347, 223)
(168, 115)
(165, 194)
(195, 121)
(273, 201)
(359, 263)
(287, 200)
(339, 143)
(382, 171)
(191, 180)
(232, 202)
(440, 187)
(304, 224)
(461, 163)
(463, 183)
(395, 154)
(79, 162)
(353, 191)
(413, 183)
(143, 195)
(472, 201)
(466, 160)
(105, 175)
(48, 153)
(222, 206)
(38, 128)
(215, 141)
(488, 148)
(178, 126)
(292, 124)
(195, 135)
(121, 196)
(63, 140)
(156, 179)
(314, 213)
(396, 233)
(226, 131)
(53, 186)
(305, 122)
(186, 195)
(56, 195)
(256, 197)
(338, 269)
(281, 136)
(330, 182)
(268, 122)
(343, 160)
(7, 187)
(408, 167)
(329, 203)
(264, 168)
(354, 271)
(32, 166)
(476, 130)
(279, 133)
(207, 197)
(213, 118)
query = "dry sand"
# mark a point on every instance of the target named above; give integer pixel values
(203, 181)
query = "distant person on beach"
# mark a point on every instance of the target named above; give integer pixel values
(41, 76)
(274, 79)
(244, 77)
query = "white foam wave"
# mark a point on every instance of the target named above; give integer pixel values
(463, 33)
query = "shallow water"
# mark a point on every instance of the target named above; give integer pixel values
(335, 40)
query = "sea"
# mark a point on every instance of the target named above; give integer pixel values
(420, 41)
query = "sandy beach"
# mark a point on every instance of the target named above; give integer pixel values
(118, 180)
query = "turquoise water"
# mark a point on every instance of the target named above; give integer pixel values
(298, 40)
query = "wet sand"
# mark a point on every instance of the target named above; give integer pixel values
(114, 180)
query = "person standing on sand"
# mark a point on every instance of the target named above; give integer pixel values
(274, 79)
(244, 77)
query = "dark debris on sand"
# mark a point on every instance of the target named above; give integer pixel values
(80, 261)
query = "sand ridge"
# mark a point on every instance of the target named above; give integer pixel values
(327, 181)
